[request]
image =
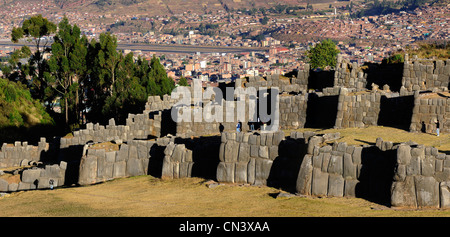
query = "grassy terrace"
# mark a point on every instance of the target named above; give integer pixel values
(191, 197)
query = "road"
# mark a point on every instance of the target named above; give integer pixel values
(188, 49)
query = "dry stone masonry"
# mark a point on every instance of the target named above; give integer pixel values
(428, 109)
(349, 75)
(422, 177)
(307, 163)
(357, 109)
(419, 74)
(127, 159)
(36, 178)
(247, 157)
(21, 153)
(293, 111)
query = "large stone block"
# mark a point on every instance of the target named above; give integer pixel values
(350, 187)
(185, 169)
(264, 152)
(325, 161)
(169, 149)
(3, 185)
(88, 170)
(427, 166)
(335, 165)
(105, 171)
(178, 153)
(135, 167)
(304, 178)
(273, 152)
(119, 169)
(244, 152)
(24, 186)
(231, 151)
(167, 170)
(123, 153)
(414, 166)
(251, 171)
(262, 171)
(222, 151)
(225, 172)
(254, 151)
(444, 194)
(143, 152)
(241, 172)
(319, 184)
(335, 185)
(427, 191)
(44, 182)
(30, 175)
(349, 169)
(403, 154)
(110, 157)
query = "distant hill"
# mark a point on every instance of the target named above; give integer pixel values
(158, 7)
(167, 7)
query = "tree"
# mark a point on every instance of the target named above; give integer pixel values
(264, 20)
(36, 28)
(109, 57)
(128, 96)
(323, 54)
(103, 61)
(67, 66)
(183, 81)
(159, 83)
(14, 70)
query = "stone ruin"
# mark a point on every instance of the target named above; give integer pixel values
(306, 163)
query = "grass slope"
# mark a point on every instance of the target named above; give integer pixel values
(145, 196)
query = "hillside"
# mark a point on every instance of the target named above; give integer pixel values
(168, 7)
(156, 7)
(20, 115)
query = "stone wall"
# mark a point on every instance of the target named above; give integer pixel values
(178, 162)
(359, 109)
(420, 74)
(247, 157)
(428, 108)
(293, 111)
(402, 175)
(155, 103)
(349, 74)
(264, 158)
(138, 126)
(127, 159)
(36, 178)
(225, 123)
(302, 78)
(422, 177)
(343, 170)
(285, 84)
(21, 153)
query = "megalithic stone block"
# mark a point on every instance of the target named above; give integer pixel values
(304, 178)
(225, 172)
(319, 184)
(88, 170)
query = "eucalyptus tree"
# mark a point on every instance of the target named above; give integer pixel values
(128, 96)
(37, 29)
(67, 66)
